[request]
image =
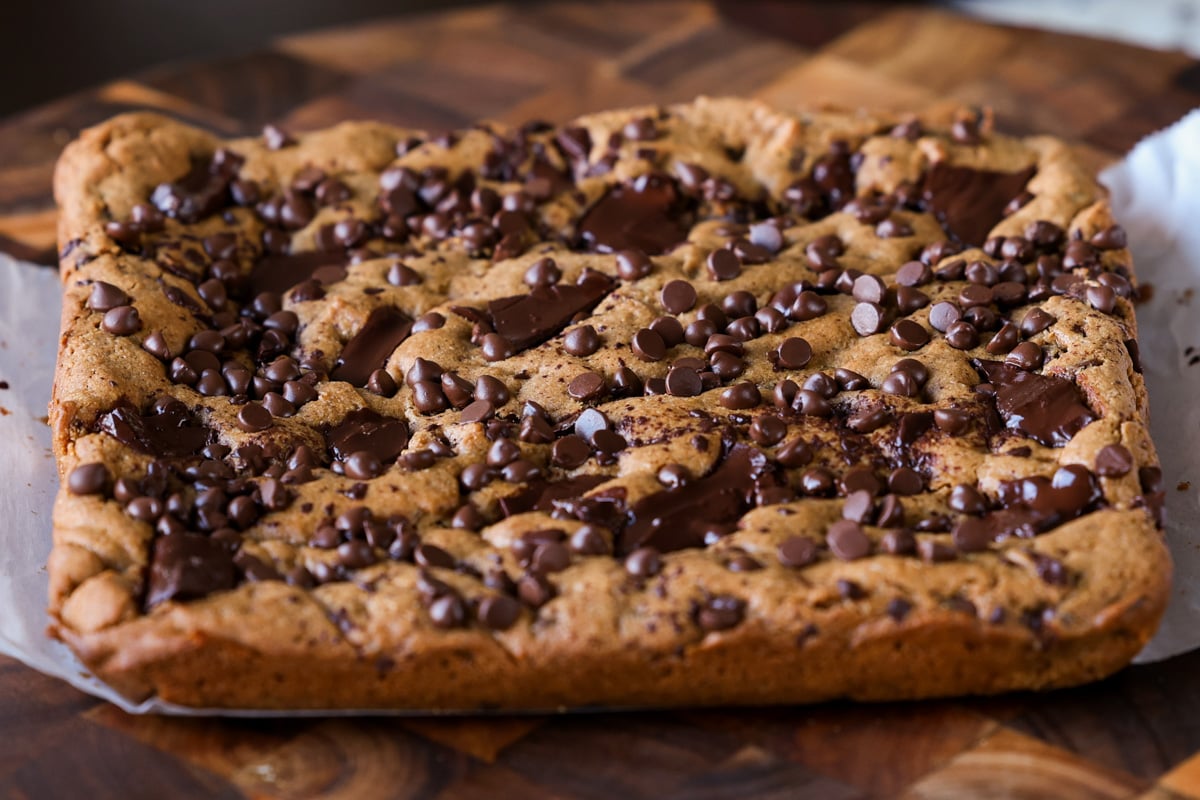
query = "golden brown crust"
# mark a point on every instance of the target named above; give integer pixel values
(982, 623)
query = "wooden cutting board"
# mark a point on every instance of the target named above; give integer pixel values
(1136, 734)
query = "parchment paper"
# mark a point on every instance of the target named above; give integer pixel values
(1156, 197)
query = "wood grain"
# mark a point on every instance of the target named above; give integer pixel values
(1137, 734)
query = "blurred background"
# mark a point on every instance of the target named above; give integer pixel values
(49, 49)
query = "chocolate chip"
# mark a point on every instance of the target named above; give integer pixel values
(543, 272)
(741, 396)
(768, 430)
(972, 535)
(498, 612)
(633, 265)
(588, 386)
(867, 318)
(684, 382)
(643, 562)
(1113, 461)
(847, 541)
(570, 452)
(1004, 341)
(105, 297)
(914, 273)
(1026, 355)
(898, 542)
(253, 418)
(822, 253)
(1102, 298)
(88, 479)
(905, 481)
(908, 335)
(649, 345)
(962, 336)
(723, 265)
(678, 296)
(122, 321)
(807, 305)
(582, 341)
(448, 611)
(794, 453)
(720, 613)
(495, 347)
(967, 499)
(477, 411)
(794, 353)
(869, 289)
(669, 329)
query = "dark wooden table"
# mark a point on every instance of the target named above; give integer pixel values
(1137, 734)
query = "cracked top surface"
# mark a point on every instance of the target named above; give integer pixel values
(651, 379)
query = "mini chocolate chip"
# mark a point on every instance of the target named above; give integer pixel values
(88, 479)
(678, 296)
(1113, 461)
(847, 541)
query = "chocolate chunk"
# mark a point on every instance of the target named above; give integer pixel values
(969, 202)
(168, 432)
(369, 349)
(366, 431)
(678, 518)
(203, 191)
(188, 566)
(278, 273)
(1046, 408)
(643, 215)
(528, 320)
